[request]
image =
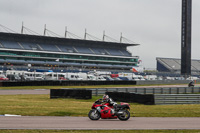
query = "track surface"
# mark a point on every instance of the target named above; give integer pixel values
(84, 123)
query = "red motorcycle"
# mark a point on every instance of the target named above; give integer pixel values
(107, 111)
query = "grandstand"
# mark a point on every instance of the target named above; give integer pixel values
(19, 50)
(174, 65)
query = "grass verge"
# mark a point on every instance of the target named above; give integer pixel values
(42, 105)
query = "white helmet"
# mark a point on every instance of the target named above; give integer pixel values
(105, 98)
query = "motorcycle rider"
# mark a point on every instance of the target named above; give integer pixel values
(106, 99)
(191, 84)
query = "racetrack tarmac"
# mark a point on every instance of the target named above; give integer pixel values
(84, 123)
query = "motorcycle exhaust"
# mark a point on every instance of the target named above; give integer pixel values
(120, 113)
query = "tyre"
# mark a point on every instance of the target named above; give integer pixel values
(94, 114)
(125, 116)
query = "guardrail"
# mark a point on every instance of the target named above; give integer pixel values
(64, 83)
(178, 90)
(87, 82)
(177, 99)
(156, 82)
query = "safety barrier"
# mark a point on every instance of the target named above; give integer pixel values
(157, 99)
(177, 99)
(156, 82)
(132, 97)
(174, 90)
(71, 93)
(85, 82)
(64, 83)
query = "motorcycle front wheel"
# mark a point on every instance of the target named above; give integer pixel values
(125, 116)
(94, 114)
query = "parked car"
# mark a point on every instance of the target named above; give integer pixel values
(108, 78)
(13, 77)
(100, 78)
(124, 78)
(117, 79)
(63, 78)
(3, 77)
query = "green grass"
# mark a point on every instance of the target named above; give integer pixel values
(42, 105)
(58, 87)
(99, 131)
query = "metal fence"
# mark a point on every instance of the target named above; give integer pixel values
(156, 82)
(177, 99)
(177, 90)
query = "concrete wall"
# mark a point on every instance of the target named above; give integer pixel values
(154, 82)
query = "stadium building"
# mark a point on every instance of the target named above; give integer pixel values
(22, 51)
(174, 65)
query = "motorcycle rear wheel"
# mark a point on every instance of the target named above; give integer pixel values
(94, 114)
(125, 116)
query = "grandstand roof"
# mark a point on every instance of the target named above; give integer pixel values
(174, 64)
(48, 39)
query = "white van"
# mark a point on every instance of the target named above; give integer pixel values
(55, 76)
(100, 78)
(91, 77)
(74, 76)
(150, 77)
(33, 76)
(86, 76)
(26, 75)
(140, 77)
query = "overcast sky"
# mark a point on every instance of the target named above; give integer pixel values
(155, 24)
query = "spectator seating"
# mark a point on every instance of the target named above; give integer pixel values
(10, 44)
(64, 48)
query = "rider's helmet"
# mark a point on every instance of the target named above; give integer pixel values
(105, 98)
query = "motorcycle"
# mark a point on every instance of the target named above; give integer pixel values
(107, 111)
